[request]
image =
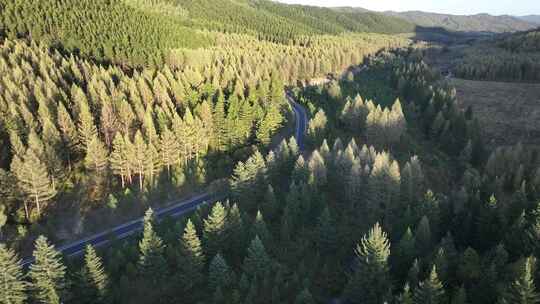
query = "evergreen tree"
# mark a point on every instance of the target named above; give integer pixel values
(215, 229)
(219, 273)
(94, 280)
(326, 232)
(370, 282)
(191, 263)
(151, 248)
(304, 297)
(14, 287)
(257, 260)
(34, 181)
(47, 273)
(406, 296)
(96, 156)
(430, 291)
(523, 290)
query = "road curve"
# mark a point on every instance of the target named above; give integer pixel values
(177, 209)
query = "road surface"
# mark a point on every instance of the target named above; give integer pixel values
(175, 210)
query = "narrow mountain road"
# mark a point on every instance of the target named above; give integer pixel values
(176, 209)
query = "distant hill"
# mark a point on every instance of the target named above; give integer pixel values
(472, 23)
(531, 18)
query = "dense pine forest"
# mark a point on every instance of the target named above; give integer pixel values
(113, 109)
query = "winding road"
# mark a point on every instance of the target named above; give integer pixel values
(177, 209)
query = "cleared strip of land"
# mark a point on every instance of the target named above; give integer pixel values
(510, 112)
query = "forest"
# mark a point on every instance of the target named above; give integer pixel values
(511, 58)
(110, 110)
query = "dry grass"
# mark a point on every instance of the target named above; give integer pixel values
(510, 112)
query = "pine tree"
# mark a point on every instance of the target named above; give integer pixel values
(304, 297)
(406, 296)
(34, 181)
(219, 273)
(85, 123)
(257, 260)
(47, 273)
(430, 291)
(326, 232)
(96, 158)
(260, 229)
(192, 258)
(94, 280)
(14, 287)
(151, 248)
(523, 290)
(119, 159)
(370, 282)
(215, 229)
(460, 296)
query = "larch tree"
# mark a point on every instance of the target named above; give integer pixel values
(14, 287)
(47, 273)
(370, 283)
(119, 159)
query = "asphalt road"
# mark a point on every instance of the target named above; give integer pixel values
(175, 210)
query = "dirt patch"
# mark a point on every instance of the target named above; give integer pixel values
(510, 112)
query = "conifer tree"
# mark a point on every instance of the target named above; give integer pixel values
(460, 296)
(430, 291)
(33, 180)
(191, 263)
(85, 123)
(119, 159)
(304, 297)
(215, 229)
(94, 280)
(96, 156)
(260, 229)
(151, 248)
(14, 287)
(219, 273)
(326, 232)
(47, 273)
(370, 282)
(257, 260)
(406, 296)
(523, 290)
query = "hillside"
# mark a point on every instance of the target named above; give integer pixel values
(473, 23)
(142, 32)
(531, 18)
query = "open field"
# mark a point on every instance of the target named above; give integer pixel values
(510, 112)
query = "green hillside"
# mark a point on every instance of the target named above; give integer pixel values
(142, 32)
(472, 23)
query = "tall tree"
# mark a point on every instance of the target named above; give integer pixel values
(94, 280)
(14, 286)
(151, 260)
(215, 229)
(192, 258)
(523, 290)
(33, 180)
(219, 273)
(47, 273)
(371, 282)
(430, 291)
